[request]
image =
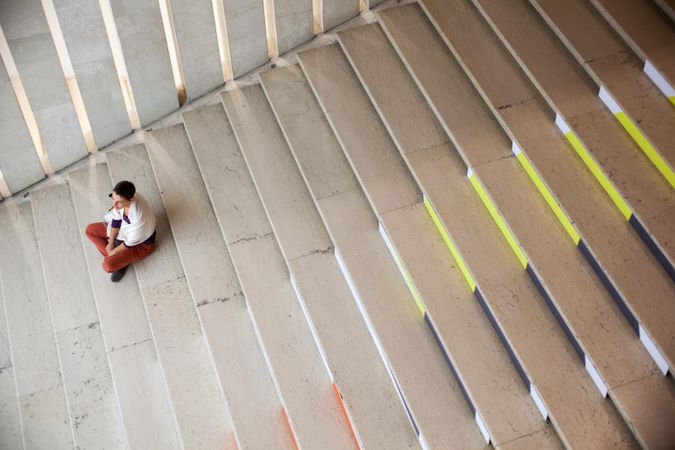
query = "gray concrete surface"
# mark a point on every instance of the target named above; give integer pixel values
(337, 11)
(139, 25)
(198, 45)
(19, 162)
(87, 42)
(30, 41)
(294, 21)
(245, 22)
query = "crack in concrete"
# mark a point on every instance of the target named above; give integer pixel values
(114, 349)
(219, 299)
(251, 238)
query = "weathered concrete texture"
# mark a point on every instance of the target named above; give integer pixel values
(10, 426)
(294, 360)
(293, 217)
(245, 22)
(141, 32)
(215, 288)
(337, 11)
(19, 162)
(87, 42)
(30, 41)
(38, 373)
(91, 398)
(424, 379)
(141, 389)
(358, 371)
(294, 20)
(200, 411)
(195, 29)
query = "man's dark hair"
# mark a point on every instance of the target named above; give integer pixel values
(125, 189)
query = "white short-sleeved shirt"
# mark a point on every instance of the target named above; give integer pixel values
(136, 227)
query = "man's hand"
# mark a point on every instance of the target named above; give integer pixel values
(119, 248)
(110, 247)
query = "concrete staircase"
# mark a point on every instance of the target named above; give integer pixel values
(429, 233)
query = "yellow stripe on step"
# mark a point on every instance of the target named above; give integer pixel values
(598, 174)
(543, 190)
(451, 246)
(646, 147)
(497, 218)
(403, 270)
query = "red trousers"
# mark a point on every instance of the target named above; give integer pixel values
(97, 233)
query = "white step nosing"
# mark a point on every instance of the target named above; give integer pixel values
(312, 328)
(562, 124)
(481, 426)
(534, 393)
(658, 79)
(595, 376)
(609, 101)
(371, 329)
(653, 351)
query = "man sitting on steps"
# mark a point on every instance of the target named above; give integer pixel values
(128, 233)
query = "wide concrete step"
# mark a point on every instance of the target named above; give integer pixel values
(359, 375)
(642, 195)
(238, 359)
(82, 351)
(309, 404)
(625, 89)
(198, 405)
(10, 423)
(498, 400)
(638, 284)
(137, 374)
(596, 328)
(649, 33)
(43, 409)
(484, 254)
(432, 398)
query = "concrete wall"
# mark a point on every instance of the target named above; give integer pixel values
(87, 42)
(19, 163)
(139, 25)
(245, 22)
(198, 45)
(30, 41)
(294, 21)
(145, 55)
(337, 11)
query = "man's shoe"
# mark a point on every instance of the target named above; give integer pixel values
(117, 276)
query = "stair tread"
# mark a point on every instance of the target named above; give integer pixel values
(493, 265)
(582, 299)
(10, 422)
(357, 369)
(433, 399)
(609, 61)
(291, 354)
(82, 352)
(39, 383)
(131, 352)
(478, 356)
(617, 248)
(421, 248)
(645, 28)
(569, 91)
(199, 409)
(200, 243)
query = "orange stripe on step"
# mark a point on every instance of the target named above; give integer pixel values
(344, 410)
(290, 428)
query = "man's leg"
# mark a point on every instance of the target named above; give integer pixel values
(98, 234)
(125, 257)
